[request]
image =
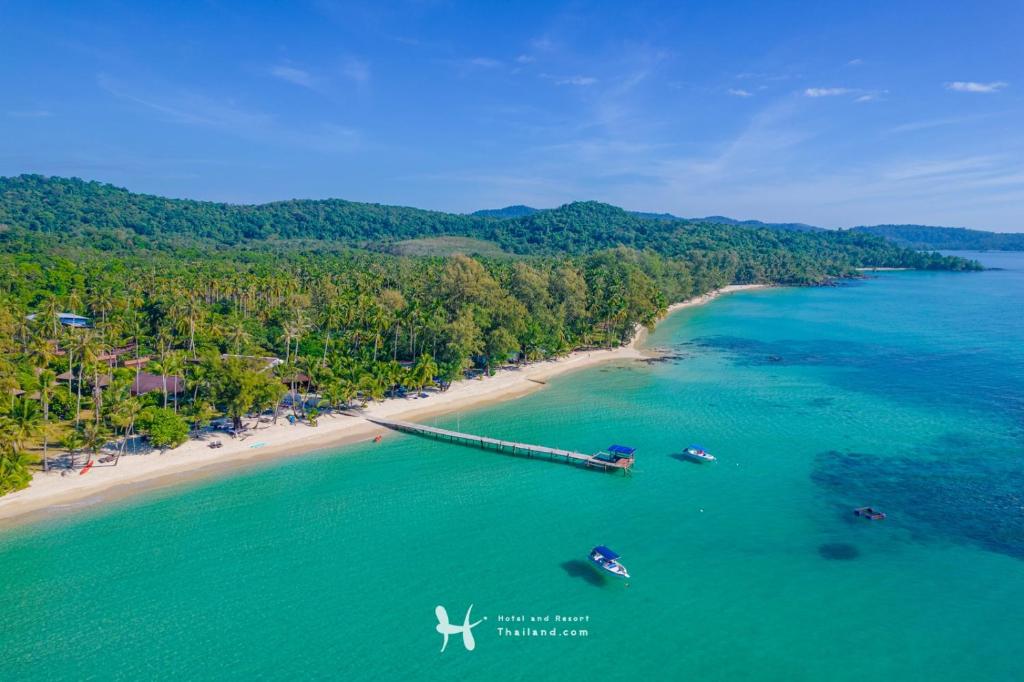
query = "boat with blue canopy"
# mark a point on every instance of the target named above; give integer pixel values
(619, 455)
(608, 560)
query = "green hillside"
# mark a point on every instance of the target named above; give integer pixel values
(946, 238)
(47, 213)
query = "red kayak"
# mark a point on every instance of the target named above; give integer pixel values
(85, 469)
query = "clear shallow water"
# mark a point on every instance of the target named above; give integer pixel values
(904, 392)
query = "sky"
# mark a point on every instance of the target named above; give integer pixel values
(828, 113)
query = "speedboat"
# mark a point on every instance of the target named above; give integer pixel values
(607, 560)
(698, 452)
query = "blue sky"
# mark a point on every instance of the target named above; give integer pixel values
(832, 113)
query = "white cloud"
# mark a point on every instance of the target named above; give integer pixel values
(855, 62)
(740, 92)
(870, 97)
(525, 59)
(294, 76)
(974, 86)
(576, 80)
(826, 92)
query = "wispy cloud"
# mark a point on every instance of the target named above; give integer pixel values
(740, 92)
(826, 92)
(860, 95)
(190, 108)
(855, 62)
(926, 124)
(294, 75)
(525, 59)
(576, 80)
(974, 86)
(941, 167)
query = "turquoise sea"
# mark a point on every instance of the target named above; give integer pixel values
(904, 391)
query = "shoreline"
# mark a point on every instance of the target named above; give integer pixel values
(53, 494)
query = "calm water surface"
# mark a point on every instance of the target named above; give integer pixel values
(905, 391)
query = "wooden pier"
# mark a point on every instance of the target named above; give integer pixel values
(623, 464)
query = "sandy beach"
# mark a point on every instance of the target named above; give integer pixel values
(53, 493)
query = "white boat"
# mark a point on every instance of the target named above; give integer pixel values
(607, 560)
(697, 452)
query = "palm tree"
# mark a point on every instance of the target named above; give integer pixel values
(288, 334)
(94, 437)
(134, 329)
(423, 372)
(268, 396)
(73, 442)
(187, 313)
(47, 382)
(102, 302)
(41, 353)
(49, 316)
(85, 345)
(378, 323)
(23, 330)
(74, 301)
(372, 385)
(123, 415)
(14, 464)
(173, 365)
(164, 350)
(26, 422)
(329, 320)
(235, 333)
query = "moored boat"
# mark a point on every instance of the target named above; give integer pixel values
(607, 560)
(699, 453)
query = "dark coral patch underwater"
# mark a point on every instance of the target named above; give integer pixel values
(972, 500)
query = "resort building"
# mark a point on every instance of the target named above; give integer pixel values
(69, 320)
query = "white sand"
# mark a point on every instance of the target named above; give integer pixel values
(51, 492)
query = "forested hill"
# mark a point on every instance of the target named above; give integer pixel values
(947, 238)
(75, 213)
(517, 211)
(69, 207)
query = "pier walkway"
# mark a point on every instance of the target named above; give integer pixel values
(607, 463)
